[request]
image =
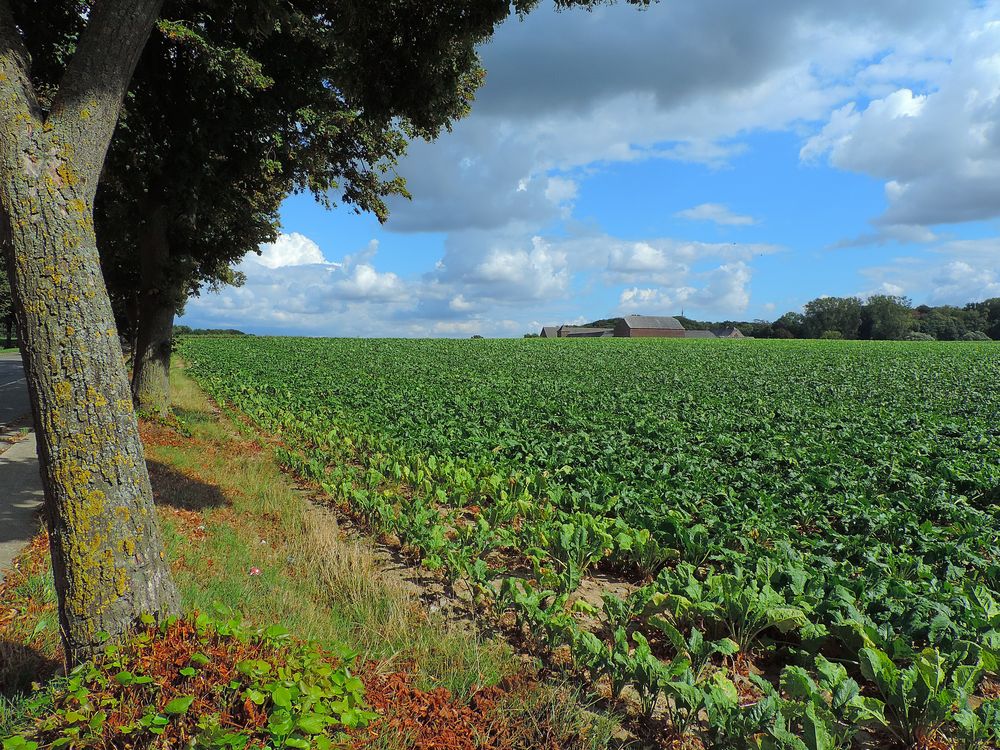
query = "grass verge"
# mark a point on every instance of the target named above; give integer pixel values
(240, 533)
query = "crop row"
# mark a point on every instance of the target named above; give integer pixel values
(825, 511)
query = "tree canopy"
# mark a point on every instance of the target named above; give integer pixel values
(65, 70)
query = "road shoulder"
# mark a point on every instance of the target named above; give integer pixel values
(20, 498)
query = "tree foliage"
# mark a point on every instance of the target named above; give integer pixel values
(65, 70)
(886, 317)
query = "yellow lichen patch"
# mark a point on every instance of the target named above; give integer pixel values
(70, 330)
(63, 391)
(76, 206)
(95, 398)
(66, 173)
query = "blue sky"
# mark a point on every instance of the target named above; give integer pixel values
(729, 161)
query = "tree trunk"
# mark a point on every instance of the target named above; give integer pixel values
(8, 334)
(151, 374)
(107, 554)
(157, 303)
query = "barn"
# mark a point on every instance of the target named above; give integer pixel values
(699, 334)
(584, 332)
(549, 332)
(730, 333)
(649, 326)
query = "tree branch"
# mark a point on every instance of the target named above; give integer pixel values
(89, 100)
(17, 95)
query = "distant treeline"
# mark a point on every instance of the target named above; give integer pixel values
(882, 317)
(189, 331)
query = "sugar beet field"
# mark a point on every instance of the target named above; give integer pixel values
(755, 543)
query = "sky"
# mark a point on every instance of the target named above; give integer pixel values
(724, 159)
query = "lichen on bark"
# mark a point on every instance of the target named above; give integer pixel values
(107, 553)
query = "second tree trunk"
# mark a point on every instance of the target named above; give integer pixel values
(156, 305)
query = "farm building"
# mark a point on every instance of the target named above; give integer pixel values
(637, 326)
(578, 332)
(699, 335)
(729, 333)
(649, 326)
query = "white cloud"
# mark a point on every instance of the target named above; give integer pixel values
(952, 273)
(715, 213)
(903, 90)
(364, 283)
(289, 250)
(938, 151)
(291, 288)
(723, 291)
(460, 304)
(677, 81)
(647, 300)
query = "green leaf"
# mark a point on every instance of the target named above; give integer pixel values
(179, 705)
(312, 723)
(797, 683)
(817, 733)
(97, 721)
(877, 667)
(281, 697)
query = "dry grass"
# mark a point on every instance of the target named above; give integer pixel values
(318, 583)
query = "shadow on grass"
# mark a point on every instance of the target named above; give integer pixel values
(173, 489)
(21, 665)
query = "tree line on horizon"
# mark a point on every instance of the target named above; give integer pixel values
(881, 317)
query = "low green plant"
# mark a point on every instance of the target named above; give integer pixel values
(827, 711)
(921, 698)
(210, 683)
(979, 728)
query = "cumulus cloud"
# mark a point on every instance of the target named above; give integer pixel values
(938, 151)
(292, 249)
(570, 90)
(291, 287)
(715, 213)
(951, 273)
(724, 290)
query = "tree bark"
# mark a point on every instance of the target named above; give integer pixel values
(8, 333)
(157, 303)
(107, 553)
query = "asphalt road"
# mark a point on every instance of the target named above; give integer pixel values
(20, 483)
(14, 402)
